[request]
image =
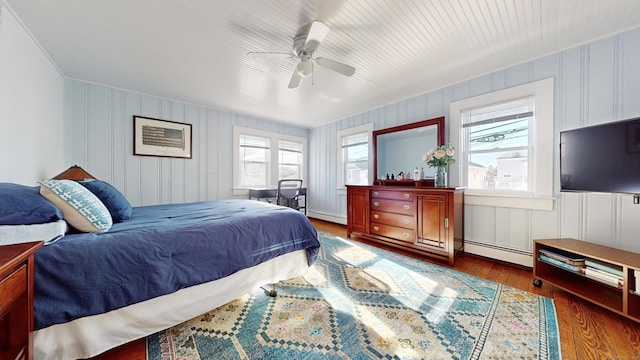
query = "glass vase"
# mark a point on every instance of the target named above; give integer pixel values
(440, 179)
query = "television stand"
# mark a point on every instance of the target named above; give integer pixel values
(620, 294)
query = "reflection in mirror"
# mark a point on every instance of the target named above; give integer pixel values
(402, 151)
(399, 149)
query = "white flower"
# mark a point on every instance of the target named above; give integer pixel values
(439, 157)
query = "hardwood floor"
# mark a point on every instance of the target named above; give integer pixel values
(586, 331)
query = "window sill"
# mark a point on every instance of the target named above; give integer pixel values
(510, 201)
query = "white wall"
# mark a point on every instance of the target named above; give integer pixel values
(99, 137)
(31, 106)
(595, 83)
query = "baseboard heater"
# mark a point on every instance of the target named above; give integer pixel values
(503, 253)
(327, 217)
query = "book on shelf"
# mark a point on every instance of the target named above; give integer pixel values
(602, 277)
(564, 256)
(603, 273)
(607, 267)
(562, 264)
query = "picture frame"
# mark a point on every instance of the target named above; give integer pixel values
(156, 137)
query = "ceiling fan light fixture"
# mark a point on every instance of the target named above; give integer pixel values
(304, 68)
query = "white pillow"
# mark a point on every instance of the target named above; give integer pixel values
(80, 208)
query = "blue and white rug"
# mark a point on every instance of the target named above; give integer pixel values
(361, 302)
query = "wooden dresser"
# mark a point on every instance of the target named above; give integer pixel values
(16, 300)
(426, 220)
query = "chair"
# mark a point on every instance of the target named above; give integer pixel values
(288, 193)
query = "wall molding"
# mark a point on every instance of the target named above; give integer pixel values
(515, 256)
(327, 217)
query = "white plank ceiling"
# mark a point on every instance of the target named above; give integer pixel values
(196, 50)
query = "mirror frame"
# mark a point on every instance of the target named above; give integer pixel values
(439, 122)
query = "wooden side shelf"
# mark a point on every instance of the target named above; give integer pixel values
(16, 300)
(623, 299)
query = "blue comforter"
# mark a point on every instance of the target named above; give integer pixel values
(162, 249)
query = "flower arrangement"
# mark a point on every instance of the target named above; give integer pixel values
(440, 156)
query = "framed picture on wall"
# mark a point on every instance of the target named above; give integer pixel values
(155, 137)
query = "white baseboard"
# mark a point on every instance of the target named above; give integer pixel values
(326, 217)
(503, 254)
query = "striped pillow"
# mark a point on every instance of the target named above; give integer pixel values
(80, 208)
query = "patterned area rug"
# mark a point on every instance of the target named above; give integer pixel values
(360, 302)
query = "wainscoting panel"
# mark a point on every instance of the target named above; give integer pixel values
(512, 228)
(628, 223)
(542, 225)
(629, 84)
(479, 223)
(600, 218)
(571, 218)
(603, 77)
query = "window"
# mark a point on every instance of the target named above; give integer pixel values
(254, 161)
(496, 142)
(505, 145)
(354, 154)
(262, 158)
(290, 160)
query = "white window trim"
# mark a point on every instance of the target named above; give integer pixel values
(351, 131)
(273, 159)
(542, 187)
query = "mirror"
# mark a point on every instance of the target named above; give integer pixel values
(400, 148)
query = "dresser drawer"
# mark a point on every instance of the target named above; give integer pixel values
(404, 221)
(394, 206)
(12, 287)
(393, 232)
(393, 194)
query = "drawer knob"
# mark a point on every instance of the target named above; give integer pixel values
(406, 221)
(376, 216)
(375, 203)
(406, 235)
(376, 228)
(406, 196)
(406, 207)
(376, 193)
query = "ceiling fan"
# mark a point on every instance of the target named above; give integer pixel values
(303, 48)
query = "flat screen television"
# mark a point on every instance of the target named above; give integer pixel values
(601, 158)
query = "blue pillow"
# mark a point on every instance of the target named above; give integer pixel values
(116, 203)
(23, 205)
(80, 208)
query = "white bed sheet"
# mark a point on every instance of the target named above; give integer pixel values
(92, 335)
(49, 232)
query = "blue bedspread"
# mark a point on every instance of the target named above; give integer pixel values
(160, 250)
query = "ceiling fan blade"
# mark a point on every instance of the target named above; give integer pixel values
(336, 66)
(295, 79)
(254, 54)
(316, 34)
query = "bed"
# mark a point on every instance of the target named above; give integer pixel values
(163, 265)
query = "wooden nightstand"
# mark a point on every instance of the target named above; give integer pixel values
(16, 300)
